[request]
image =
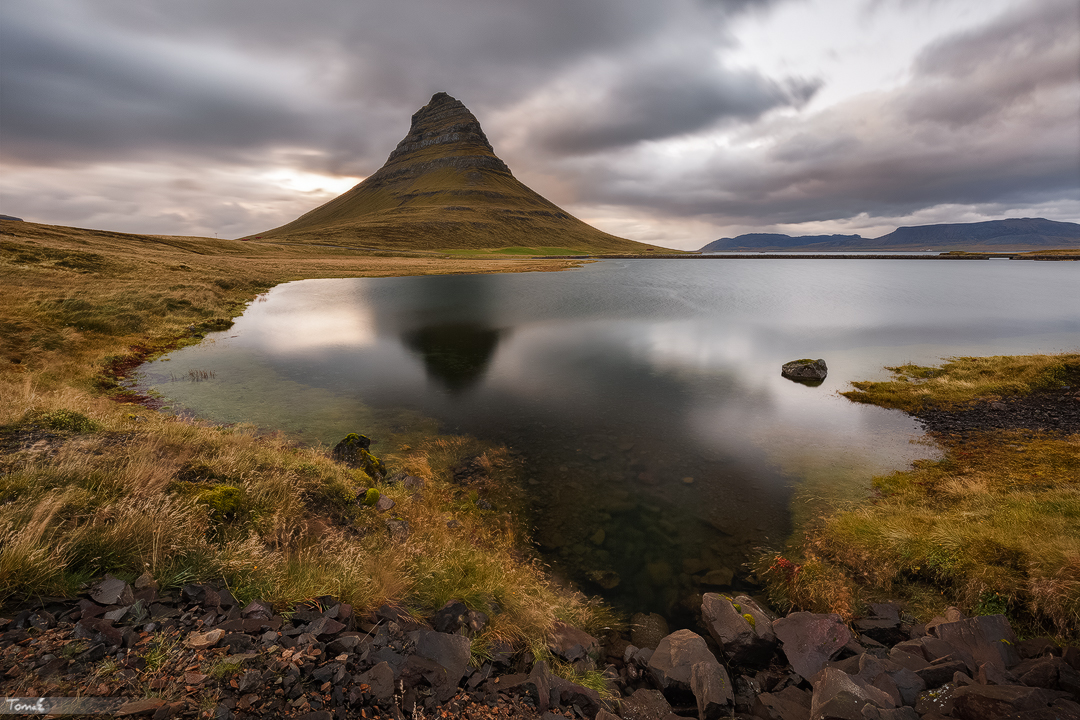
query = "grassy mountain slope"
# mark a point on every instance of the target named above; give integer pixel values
(443, 187)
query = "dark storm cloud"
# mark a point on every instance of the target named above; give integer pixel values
(69, 92)
(193, 114)
(988, 117)
(114, 80)
(653, 103)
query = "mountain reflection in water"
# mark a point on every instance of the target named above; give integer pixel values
(455, 354)
(662, 448)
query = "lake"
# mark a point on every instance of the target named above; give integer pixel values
(662, 447)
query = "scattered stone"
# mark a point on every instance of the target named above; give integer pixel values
(978, 702)
(937, 674)
(987, 638)
(146, 581)
(810, 640)
(841, 696)
(380, 681)
(646, 704)
(712, 689)
(352, 451)
(791, 703)
(398, 529)
(452, 652)
(740, 627)
(112, 591)
(204, 640)
(883, 625)
(396, 666)
(570, 643)
(145, 706)
(647, 630)
(673, 662)
(456, 616)
(607, 579)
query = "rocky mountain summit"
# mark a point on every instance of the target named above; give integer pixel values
(128, 650)
(444, 187)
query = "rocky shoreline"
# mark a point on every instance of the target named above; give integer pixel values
(1055, 410)
(126, 650)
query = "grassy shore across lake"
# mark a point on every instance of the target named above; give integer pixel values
(92, 482)
(993, 526)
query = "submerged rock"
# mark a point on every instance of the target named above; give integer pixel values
(647, 630)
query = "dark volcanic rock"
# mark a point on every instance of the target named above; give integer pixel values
(810, 640)
(841, 696)
(712, 688)
(450, 651)
(112, 591)
(645, 704)
(673, 662)
(988, 638)
(740, 627)
(979, 702)
(570, 643)
(1055, 410)
(805, 370)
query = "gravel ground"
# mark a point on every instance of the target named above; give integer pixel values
(1055, 411)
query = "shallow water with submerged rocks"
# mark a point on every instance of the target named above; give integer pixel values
(661, 446)
(195, 651)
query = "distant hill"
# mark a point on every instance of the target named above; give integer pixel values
(758, 241)
(443, 187)
(9, 217)
(1010, 234)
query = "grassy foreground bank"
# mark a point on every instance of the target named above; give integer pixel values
(994, 526)
(91, 483)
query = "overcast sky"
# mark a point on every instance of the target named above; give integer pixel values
(672, 122)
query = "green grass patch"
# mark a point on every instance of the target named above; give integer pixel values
(965, 379)
(992, 527)
(515, 251)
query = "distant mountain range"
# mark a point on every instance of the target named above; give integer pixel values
(1011, 234)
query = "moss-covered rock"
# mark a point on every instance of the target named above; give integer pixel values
(805, 370)
(353, 451)
(226, 501)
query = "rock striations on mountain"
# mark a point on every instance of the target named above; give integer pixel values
(443, 187)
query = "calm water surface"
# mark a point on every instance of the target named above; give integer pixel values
(662, 446)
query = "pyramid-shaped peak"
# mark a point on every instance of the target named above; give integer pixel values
(443, 121)
(444, 187)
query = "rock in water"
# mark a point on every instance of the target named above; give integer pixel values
(805, 370)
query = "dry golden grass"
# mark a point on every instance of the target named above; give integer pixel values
(964, 379)
(992, 527)
(89, 484)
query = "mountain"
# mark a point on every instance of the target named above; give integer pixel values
(773, 241)
(1014, 232)
(1010, 234)
(443, 187)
